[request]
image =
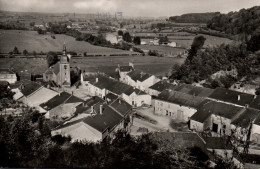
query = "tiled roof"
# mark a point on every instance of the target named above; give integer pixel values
(138, 75)
(132, 90)
(59, 99)
(231, 96)
(217, 108)
(255, 103)
(162, 85)
(180, 98)
(125, 68)
(121, 106)
(30, 88)
(246, 118)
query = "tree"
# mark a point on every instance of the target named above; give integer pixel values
(163, 40)
(52, 58)
(197, 44)
(16, 51)
(137, 40)
(120, 33)
(25, 52)
(257, 91)
(254, 43)
(127, 37)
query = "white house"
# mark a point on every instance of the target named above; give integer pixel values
(7, 75)
(177, 105)
(136, 97)
(140, 80)
(123, 70)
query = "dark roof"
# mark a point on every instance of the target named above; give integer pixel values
(138, 75)
(180, 98)
(132, 90)
(114, 75)
(126, 68)
(194, 90)
(121, 106)
(217, 108)
(6, 71)
(257, 120)
(231, 96)
(59, 99)
(217, 143)
(56, 68)
(107, 120)
(30, 88)
(246, 118)
(110, 97)
(162, 85)
(255, 103)
(85, 106)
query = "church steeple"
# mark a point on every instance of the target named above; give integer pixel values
(64, 49)
(64, 57)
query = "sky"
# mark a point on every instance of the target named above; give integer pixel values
(136, 8)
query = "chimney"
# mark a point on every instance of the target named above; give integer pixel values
(92, 109)
(238, 97)
(96, 79)
(101, 109)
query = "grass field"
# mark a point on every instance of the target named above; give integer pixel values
(153, 65)
(32, 41)
(162, 49)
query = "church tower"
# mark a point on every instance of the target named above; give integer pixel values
(64, 69)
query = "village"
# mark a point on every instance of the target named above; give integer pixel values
(137, 102)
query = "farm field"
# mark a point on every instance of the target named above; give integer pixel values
(32, 41)
(162, 49)
(153, 65)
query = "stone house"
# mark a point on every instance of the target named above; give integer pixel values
(8, 75)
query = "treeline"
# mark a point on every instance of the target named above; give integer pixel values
(13, 26)
(194, 17)
(224, 57)
(245, 22)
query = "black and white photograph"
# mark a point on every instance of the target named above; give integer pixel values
(130, 84)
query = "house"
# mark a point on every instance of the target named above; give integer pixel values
(105, 120)
(172, 44)
(7, 75)
(177, 105)
(61, 106)
(34, 94)
(100, 85)
(60, 72)
(160, 86)
(140, 80)
(231, 97)
(123, 70)
(194, 90)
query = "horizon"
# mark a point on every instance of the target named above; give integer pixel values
(135, 8)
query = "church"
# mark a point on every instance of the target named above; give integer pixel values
(59, 72)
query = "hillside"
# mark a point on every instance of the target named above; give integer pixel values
(245, 21)
(194, 17)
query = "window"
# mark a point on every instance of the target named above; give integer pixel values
(215, 127)
(166, 112)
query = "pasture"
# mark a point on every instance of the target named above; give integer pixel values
(162, 49)
(150, 64)
(32, 41)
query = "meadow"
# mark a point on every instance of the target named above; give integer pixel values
(150, 64)
(162, 49)
(32, 41)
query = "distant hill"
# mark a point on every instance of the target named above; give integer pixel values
(194, 17)
(245, 21)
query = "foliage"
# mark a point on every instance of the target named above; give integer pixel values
(194, 17)
(40, 31)
(137, 40)
(25, 52)
(254, 43)
(127, 37)
(120, 33)
(197, 44)
(52, 58)
(16, 51)
(257, 91)
(163, 40)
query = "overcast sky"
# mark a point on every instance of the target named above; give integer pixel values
(154, 8)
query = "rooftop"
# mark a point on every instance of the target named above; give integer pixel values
(30, 88)
(126, 68)
(138, 75)
(231, 96)
(180, 98)
(217, 108)
(194, 90)
(255, 103)
(6, 71)
(248, 116)
(162, 85)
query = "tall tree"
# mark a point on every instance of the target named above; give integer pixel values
(127, 37)
(197, 44)
(137, 40)
(52, 58)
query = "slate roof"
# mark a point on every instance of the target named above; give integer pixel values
(180, 98)
(246, 118)
(6, 71)
(231, 96)
(126, 68)
(107, 120)
(138, 75)
(121, 106)
(217, 108)
(30, 88)
(132, 90)
(257, 121)
(255, 103)
(111, 97)
(162, 85)
(59, 99)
